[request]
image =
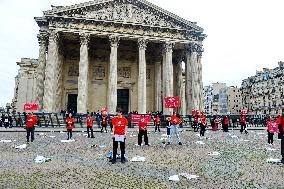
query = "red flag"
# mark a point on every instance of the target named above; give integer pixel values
(172, 102)
(29, 106)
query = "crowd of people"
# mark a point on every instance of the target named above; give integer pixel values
(118, 125)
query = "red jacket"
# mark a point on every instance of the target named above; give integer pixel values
(90, 122)
(243, 119)
(175, 120)
(70, 123)
(226, 121)
(203, 119)
(104, 121)
(119, 125)
(157, 120)
(142, 125)
(278, 120)
(31, 120)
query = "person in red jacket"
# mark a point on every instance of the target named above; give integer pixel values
(203, 124)
(69, 126)
(243, 124)
(119, 135)
(104, 123)
(278, 122)
(282, 137)
(175, 121)
(30, 126)
(142, 124)
(271, 125)
(90, 121)
(157, 123)
(226, 124)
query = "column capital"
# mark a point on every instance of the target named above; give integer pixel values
(168, 46)
(43, 38)
(54, 36)
(114, 40)
(142, 43)
(84, 38)
(194, 47)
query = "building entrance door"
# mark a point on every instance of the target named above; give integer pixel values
(72, 103)
(123, 100)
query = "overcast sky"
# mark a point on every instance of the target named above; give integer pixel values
(243, 36)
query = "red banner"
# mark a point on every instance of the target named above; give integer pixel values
(136, 118)
(172, 102)
(28, 106)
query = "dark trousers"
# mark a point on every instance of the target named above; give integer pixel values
(140, 134)
(122, 148)
(30, 132)
(202, 129)
(243, 127)
(270, 138)
(69, 134)
(226, 128)
(280, 131)
(104, 126)
(6, 124)
(92, 132)
(282, 147)
(157, 126)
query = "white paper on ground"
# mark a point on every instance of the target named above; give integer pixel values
(213, 153)
(174, 178)
(61, 131)
(41, 159)
(52, 136)
(23, 146)
(5, 141)
(188, 176)
(138, 159)
(197, 135)
(199, 142)
(85, 134)
(272, 160)
(68, 140)
(270, 149)
(41, 134)
(164, 135)
(102, 146)
(261, 133)
(234, 136)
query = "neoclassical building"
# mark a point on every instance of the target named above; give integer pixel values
(117, 53)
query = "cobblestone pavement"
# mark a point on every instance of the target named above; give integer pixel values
(83, 163)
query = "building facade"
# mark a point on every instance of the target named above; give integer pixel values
(25, 83)
(220, 99)
(263, 93)
(117, 53)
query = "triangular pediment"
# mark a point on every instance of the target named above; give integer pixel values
(139, 12)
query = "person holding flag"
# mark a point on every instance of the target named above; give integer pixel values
(69, 126)
(30, 126)
(90, 121)
(119, 135)
(175, 121)
(142, 124)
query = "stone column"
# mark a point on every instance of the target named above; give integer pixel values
(200, 80)
(168, 74)
(158, 85)
(142, 44)
(195, 83)
(43, 42)
(51, 73)
(179, 80)
(191, 79)
(112, 76)
(82, 100)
